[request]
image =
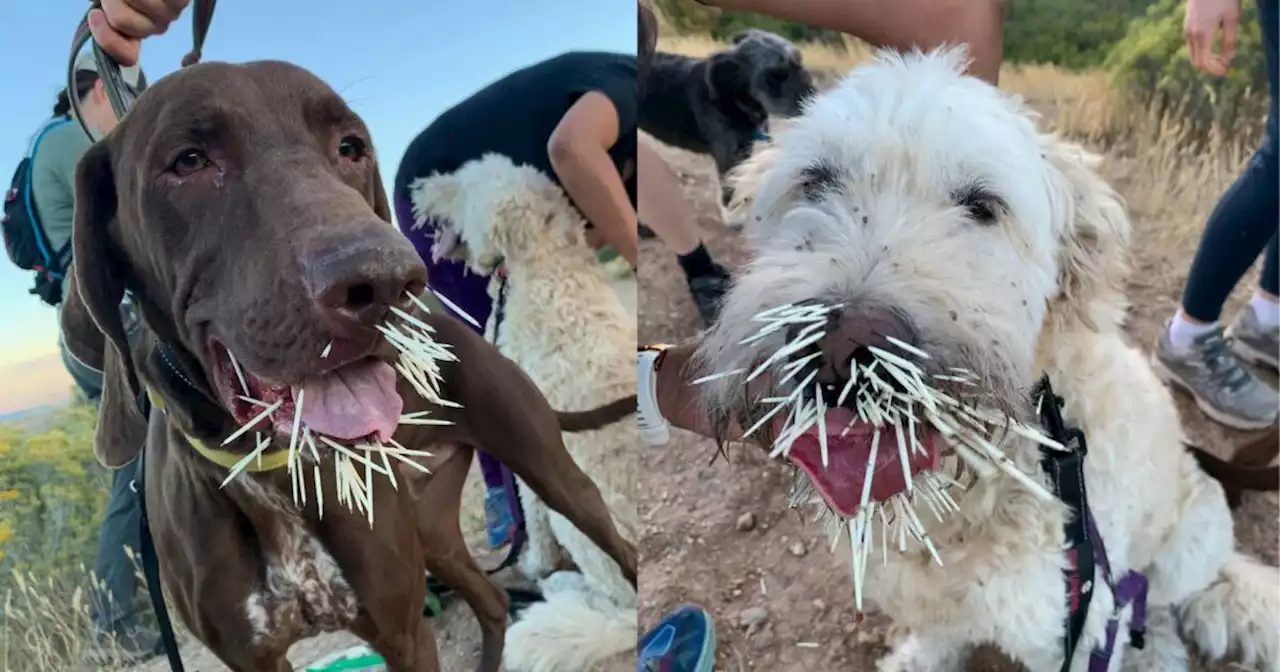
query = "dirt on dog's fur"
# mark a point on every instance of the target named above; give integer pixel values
(720, 534)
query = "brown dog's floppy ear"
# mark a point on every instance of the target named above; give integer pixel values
(80, 334)
(121, 428)
(99, 271)
(1094, 234)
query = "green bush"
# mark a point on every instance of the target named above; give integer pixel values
(52, 497)
(52, 494)
(1150, 66)
(1073, 34)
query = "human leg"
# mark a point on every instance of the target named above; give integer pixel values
(113, 606)
(1192, 351)
(664, 207)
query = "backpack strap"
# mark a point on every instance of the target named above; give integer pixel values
(51, 257)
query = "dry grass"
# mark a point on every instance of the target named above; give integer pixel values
(46, 626)
(1169, 187)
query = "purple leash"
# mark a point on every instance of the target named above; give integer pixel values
(1132, 589)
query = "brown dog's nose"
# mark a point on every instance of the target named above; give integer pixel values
(852, 331)
(356, 283)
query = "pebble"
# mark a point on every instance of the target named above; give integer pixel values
(746, 522)
(752, 617)
(797, 549)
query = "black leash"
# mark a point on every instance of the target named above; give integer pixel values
(1065, 469)
(146, 544)
(1086, 550)
(508, 479)
(147, 549)
(121, 95)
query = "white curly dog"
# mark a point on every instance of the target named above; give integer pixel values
(926, 201)
(567, 328)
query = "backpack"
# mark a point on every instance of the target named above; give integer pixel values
(25, 240)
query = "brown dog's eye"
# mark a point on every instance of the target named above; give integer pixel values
(188, 162)
(352, 148)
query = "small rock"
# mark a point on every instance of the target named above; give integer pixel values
(819, 605)
(737, 592)
(746, 522)
(752, 617)
(797, 548)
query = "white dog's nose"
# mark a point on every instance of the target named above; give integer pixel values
(852, 331)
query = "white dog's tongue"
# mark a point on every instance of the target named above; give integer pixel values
(353, 402)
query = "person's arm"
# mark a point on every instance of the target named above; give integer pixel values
(899, 24)
(120, 25)
(1204, 18)
(579, 153)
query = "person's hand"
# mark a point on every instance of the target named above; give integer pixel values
(120, 25)
(593, 238)
(1204, 18)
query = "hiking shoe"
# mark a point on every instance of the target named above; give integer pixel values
(1223, 387)
(707, 291)
(683, 641)
(499, 523)
(654, 429)
(1252, 342)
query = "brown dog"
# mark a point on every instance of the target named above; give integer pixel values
(241, 207)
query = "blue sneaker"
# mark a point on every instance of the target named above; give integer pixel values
(683, 641)
(498, 519)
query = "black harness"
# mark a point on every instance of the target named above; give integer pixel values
(1085, 551)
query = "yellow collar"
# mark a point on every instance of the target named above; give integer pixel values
(268, 461)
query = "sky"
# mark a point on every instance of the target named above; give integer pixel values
(398, 63)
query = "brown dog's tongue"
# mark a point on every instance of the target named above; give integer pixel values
(353, 402)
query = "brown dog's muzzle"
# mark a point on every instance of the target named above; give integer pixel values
(355, 279)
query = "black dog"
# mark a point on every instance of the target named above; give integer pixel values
(721, 104)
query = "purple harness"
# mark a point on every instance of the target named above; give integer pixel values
(1085, 548)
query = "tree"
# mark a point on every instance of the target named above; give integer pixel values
(1150, 65)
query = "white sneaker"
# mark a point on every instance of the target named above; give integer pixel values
(654, 429)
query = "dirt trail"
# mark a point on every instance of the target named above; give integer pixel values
(720, 534)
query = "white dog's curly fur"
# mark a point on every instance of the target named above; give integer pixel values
(910, 185)
(567, 328)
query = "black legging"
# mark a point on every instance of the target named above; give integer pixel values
(1246, 218)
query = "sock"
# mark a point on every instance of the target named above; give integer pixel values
(1266, 310)
(1183, 331)
(697, 262)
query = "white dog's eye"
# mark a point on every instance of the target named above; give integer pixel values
(982, 206)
